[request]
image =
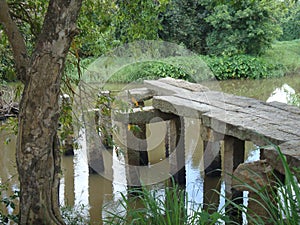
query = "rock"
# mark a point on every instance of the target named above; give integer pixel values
(291, 152)
(257, 175)
(257, 178)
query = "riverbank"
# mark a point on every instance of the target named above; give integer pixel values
(280, 60)
(285, 53)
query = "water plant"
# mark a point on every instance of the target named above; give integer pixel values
(279, 198)
(162, 207)
(9, 203)
(75, 215)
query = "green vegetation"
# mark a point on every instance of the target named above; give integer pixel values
(282, 59)
(295, 99)
(188, 68)
(239, 67)
(281, 201)
(168, 208)
(8, 202)
(223, 27)
(231, 30)
(75, 215)
(290, 23)
(286, 54)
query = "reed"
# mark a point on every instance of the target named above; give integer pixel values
(280, 199)
(167, 207)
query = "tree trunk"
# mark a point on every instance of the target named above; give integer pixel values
(38, 159)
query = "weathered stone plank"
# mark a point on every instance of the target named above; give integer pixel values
(138, 94)
(142, 115)
(184, 84)
(161, 88)
(178, 106)
(264, 118)
(245, 127)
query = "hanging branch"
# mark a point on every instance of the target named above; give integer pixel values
(16, 41)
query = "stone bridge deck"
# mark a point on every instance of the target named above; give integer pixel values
(224, 116)
(244, 118)
(240, 117)
(225, 119)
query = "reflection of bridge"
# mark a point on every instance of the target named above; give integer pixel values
(223, 117)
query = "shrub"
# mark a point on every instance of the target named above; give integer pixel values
(191, 68)
(291, 24)
(148, 70)
(239, 67)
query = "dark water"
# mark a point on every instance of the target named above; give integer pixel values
(78, 188)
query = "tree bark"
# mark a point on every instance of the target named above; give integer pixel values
(38, 159)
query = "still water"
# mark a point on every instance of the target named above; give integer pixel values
(78, 188)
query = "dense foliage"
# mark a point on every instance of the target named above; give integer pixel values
(239, 67)
(243, 26)
(291, 24)
(29, 21)
(208, 27)
(11, 202)
(184, 23)
(138, 20)
(223, 27)
(6, 61)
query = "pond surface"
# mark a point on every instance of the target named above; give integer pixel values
(94, 191)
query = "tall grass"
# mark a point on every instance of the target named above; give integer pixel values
(280, 199)
(285, 53)
(169, 207)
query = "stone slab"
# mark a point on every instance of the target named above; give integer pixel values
(291, 151)
(142, 115)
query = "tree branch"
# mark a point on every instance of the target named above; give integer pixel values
(59, 26)
(16, 41)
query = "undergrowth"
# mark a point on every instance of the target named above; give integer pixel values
(169, 207)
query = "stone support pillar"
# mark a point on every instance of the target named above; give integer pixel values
(234, 153)
(176, 150)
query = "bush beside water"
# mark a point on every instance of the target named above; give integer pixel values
(282, 59)
(221, 68)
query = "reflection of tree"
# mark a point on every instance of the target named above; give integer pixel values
(258, 89)
(8, 172)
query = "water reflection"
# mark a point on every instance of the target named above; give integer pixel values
(282, 94)
(8, 170)
(258, 89)
(94, 191)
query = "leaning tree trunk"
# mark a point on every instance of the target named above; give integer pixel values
(37, 154)
(38, 159)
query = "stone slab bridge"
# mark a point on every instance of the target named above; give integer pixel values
(223, 117)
